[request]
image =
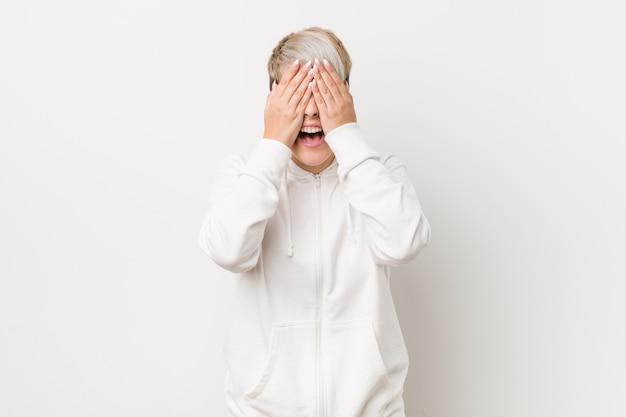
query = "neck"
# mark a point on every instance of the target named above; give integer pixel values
(317, 168)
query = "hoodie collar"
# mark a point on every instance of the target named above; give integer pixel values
(296, 172)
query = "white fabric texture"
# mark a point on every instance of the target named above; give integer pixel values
(313, 330)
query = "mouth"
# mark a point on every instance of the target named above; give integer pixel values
(311, 136)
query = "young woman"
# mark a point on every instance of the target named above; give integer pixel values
(310, 222)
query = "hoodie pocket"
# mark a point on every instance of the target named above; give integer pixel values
(358, 383)
(287, 386)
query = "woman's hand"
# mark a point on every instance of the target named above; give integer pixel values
(284, 109)
(332, 97)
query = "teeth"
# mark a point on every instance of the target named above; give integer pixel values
(310, 129)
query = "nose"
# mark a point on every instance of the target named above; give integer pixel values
(311, 108)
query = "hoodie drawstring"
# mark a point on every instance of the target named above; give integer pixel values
(288, 217)
(351, 232)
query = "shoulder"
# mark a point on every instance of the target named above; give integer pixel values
(233, 164)
(237, 158)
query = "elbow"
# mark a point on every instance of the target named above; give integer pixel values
(421, 237)
(227, 258)
(234, 265)
(406, 244)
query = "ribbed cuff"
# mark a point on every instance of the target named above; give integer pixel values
(268, 161)
(348, 144)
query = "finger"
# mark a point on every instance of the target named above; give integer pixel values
(273, 88)
(303, 87)
(340, 84)
(318, 97)
(333, 74)
(299, 78)
(327, 84)
(306, 96)
(286, 78)
(320, 88)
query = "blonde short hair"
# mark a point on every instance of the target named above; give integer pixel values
(306, 45)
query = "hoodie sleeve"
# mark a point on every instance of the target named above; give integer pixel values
(380, 189)
(243, 198)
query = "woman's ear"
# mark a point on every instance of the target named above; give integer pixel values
(347, 84)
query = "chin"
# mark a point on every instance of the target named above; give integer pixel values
(311, 160)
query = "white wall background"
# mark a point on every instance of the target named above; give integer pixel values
(510, 115)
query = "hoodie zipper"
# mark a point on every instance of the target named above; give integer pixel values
(321, 388)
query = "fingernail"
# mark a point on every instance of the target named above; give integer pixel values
(325, 62)
(308, 64)
(317, 61)
(296, 63)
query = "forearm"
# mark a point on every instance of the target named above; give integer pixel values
(244, 197)
(395, 226)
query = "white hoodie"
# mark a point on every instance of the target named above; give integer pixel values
(314, 332)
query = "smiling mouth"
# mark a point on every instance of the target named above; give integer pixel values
(311, 135)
